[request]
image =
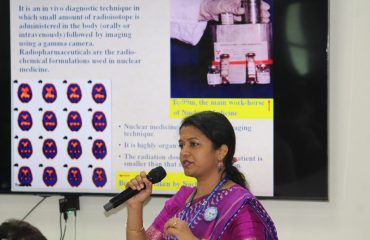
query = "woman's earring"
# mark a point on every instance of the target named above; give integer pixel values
(220, 166)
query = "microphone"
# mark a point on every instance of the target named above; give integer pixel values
(155, 176)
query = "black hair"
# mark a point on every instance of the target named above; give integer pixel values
(19, 230)
(217, 128)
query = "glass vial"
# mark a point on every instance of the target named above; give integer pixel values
(225, 68)
(213, 75)
(263, 74)
(251, 68)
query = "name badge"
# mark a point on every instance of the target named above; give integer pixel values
(210, 214)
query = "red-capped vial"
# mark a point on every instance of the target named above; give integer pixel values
(251, 68)
(263, 74)
(225, 68)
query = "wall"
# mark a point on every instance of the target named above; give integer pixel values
(345, 216)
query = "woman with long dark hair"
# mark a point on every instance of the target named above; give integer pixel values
(219, 207)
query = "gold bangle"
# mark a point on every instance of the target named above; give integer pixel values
(133, 230)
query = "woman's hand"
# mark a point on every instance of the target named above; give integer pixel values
(138, 183)
(179, 229)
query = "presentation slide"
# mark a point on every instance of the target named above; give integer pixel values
(99, 89)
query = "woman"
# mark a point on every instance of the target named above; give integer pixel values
(13, 229)
(219, 207)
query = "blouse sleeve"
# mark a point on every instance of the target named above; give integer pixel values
(246, 226)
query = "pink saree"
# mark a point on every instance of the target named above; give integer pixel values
(240, 216)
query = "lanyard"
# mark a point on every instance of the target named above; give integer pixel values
(204, 204)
